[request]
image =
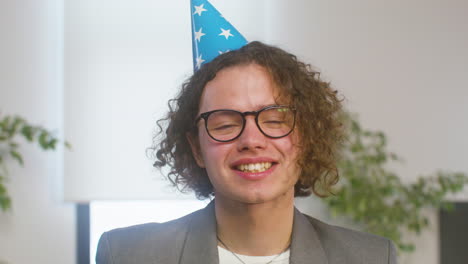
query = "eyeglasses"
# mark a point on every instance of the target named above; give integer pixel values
(225, 125)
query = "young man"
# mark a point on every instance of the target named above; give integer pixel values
(253, 129)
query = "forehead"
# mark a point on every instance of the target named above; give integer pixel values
(243, 87)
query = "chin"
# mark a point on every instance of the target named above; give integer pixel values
(258, 197)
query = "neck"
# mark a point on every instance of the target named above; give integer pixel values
(259, 229)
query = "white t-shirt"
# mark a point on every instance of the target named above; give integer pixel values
(226, 257)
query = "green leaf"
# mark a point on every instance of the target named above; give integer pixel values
(52, 143)
(17, 156)
(5, 201)
(16, 124)
(407, 247)
(28, 132)
(43, 140)
(5, 122)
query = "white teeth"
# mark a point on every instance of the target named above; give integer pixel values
(254, 167)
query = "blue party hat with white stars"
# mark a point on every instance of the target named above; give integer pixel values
(212, 34)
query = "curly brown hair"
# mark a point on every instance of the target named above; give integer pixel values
(318, 120)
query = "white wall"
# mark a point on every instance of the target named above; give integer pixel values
(41, 227)
(402, 66)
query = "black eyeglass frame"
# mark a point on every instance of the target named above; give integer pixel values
(205, 116)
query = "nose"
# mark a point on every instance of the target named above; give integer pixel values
(251, 138)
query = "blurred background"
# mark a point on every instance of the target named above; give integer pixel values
(99, 73)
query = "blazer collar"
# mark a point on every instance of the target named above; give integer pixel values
(305, 244)
(200, 245)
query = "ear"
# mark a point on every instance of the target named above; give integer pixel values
(195, 146)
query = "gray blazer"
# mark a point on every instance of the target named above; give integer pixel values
(192, 240)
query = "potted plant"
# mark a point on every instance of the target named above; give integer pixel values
(12, 129)
(372, 196)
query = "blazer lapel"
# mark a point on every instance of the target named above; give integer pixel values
(201, 245)
(305, 245)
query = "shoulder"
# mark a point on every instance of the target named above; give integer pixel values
(145, 242)
(360, 247)
(149, 231)
(333, 233)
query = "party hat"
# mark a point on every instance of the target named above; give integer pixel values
(212, 34)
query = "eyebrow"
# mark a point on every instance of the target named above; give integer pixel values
(258, 107)
(255, 108)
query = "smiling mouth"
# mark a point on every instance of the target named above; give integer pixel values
(254, 167)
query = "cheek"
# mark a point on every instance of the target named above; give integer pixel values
(290, 146)
(214, 153)
(295, 145)
(291, 152)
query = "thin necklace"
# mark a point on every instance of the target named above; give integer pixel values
(235, 255)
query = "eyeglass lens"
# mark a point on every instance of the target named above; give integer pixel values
(226, 125)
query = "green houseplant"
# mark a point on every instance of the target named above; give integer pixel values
(374, 197)
(12, 129)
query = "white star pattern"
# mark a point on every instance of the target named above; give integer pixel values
(212, 34)
(199, 61)
(199, 9)
(226, 33)
(199, 34)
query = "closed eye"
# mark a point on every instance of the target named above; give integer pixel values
(224, 127)
(274, 122)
